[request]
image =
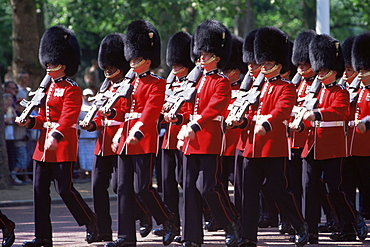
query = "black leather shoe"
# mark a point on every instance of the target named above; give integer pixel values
(37, 242)
(105, 237)
(190, 244)
(8, 234)
(92, 231)
(178, 239)
(302, 236)
(360, 227)
(331, 225)
(312, 238)
(171, 230)
(212, 226)
(120, 242)
(146, 225)
(158, 232)
(343, 236)
(286, 227)
(244, 242)
(231, 234)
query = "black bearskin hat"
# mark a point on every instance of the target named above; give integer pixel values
(236, 57)
(59, 45)
(143, 40)
(178, 50)
(290, 66)
(111, 52)
(271, 44)
(248, 47)
(301, 47)
(347, 50)
(361, 52)
(325, 52)
(212, 36)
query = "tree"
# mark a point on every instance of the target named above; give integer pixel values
(5, 182)
(25, 37)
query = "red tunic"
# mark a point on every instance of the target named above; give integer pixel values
(329, 142)
(146, 103)
(213, 97)
(61, 109)
(299, 138)
(108, 130)
(232, 135)
(276, 103)
(356, 140)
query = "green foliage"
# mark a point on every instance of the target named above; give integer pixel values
(6, 34)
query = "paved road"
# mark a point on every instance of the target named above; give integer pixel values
(68, 233)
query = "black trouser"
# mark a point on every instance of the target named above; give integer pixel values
(200, 181)
(294, 175)
(61, 174)
(238, 183)
(135, 176)
(171, 178)
(332, 176)
(4, 221)
(255, 172)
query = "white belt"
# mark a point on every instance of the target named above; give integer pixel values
(322, 124)
(108, 122)
(196, 117)
(132, 115)
(51, 125)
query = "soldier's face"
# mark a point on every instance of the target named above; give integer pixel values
(254, 69)
(179, 70)
(364, 76)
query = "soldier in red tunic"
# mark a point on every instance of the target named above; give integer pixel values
(56, 148)
(326, 127)
(138, 137)
(267, 149)
(203, 133)
(356, 169)
(110, 59)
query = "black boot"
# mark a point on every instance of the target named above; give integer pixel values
(244, 242)
(190, 244)
(8, 234)
(158, 232)
(343, 236)
(302, 235)
(38, 242)
(121, 242)
(360, 227)
(332, 223)
(231, 234)
(312, 238)
(171, 230)
(92, 231)
(146, 225)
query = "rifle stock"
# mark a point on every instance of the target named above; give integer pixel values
(310, 103)
(38, 98)
(352, 89)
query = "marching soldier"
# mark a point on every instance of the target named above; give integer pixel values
(56, 149)
(326, 126)
(8, 230)
(356, 166)
(203, 134)
(112, 61)
(178, 58)
(136, 143)
(266, 150)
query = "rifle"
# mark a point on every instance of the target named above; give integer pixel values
(37, 100)
(309, 104)
(245, 99)
(108, 99)
(352, 89)
(186, 93)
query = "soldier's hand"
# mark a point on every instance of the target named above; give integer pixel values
(180, 144)
(309, 116)
(105, 112)
(294, 128)
(189, 133)
(169, 118)
(22, 123)
(361, 127)
(86, 126)
(51, 143)
(132, 140)
(259, 130)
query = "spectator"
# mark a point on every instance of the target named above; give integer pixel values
(92, 76)
(23, 80)
(9, 74)
(87, 139)
(12, 88)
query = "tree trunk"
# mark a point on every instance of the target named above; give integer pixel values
(245, 23)
(309, 14)
(25, 40)
(5, 182)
